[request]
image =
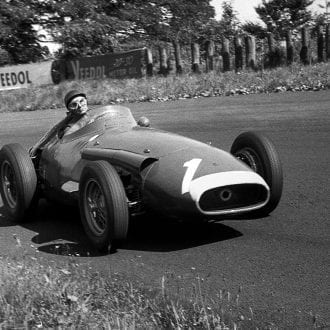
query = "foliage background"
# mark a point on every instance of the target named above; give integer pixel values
(93, 27)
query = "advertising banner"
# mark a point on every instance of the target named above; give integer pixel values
(116, 65)
(25, 75)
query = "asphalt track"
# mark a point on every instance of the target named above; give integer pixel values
(280, 264)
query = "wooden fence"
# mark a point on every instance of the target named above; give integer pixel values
(242, 52)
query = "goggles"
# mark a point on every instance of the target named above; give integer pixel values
(77, 102)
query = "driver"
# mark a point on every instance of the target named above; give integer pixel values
(77, 116)
(76, 103)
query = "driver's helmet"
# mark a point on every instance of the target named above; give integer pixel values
(71, 95)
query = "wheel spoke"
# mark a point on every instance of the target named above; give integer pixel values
(96, 206)
(101, 212)
(9, 184)
(101, 220)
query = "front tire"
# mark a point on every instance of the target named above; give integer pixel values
(18, 182)
(103, 205)
(258, 152)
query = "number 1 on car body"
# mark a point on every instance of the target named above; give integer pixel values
(192, 166)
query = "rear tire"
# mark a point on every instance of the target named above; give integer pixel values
(103, 205)
(18, 182)
(258, 152)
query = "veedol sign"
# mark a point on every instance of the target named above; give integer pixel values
(20, 76)
(116, 65)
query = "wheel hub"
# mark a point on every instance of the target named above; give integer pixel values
(250, 158)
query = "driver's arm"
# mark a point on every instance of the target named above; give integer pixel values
(50, 134)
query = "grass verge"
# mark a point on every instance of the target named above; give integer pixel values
(38, 293)
(48, 296)
(293, 78)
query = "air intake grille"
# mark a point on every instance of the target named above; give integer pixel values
(232, 197)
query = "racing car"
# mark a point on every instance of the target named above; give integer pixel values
(115, 168)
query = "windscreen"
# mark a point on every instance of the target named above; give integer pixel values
(104, 118)
(114, 116)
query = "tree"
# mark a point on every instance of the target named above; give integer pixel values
(17, 34)
(189, 18)
(5, 58)
(255, 29)
(82, 27)
(89, 27)
(227, 27)
(229, 22)
(169, 20)
(85, 27)
(282, 15)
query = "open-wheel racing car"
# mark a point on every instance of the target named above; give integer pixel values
(115, 168)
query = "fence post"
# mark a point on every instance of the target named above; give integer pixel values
(219, 63)
(271, 50)
(250, 47)
(270, 40)
(304, 56)
(320, 44)
(238, 53)
(150, 64)
(195, 57)
(225, 55)
(289, 48)
(263, 55)
(327, 42)
(162, 61)
(169, 63)
(178, 59)
(209, 55)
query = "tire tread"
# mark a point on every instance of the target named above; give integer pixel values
(112, 187)
(26, 177)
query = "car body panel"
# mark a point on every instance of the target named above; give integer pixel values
(173, 173)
